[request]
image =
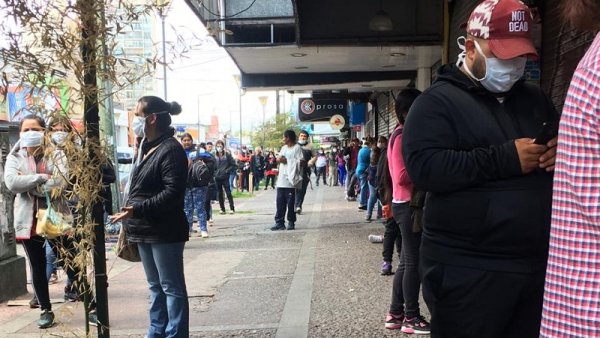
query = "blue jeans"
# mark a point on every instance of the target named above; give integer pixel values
(364, 187)
(232, 178)
(194, 199)
(169, 308)
(372, 201)
(50, 260)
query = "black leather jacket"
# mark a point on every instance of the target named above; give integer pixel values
(157, 192)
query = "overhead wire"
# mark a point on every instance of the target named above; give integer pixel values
(227, 16)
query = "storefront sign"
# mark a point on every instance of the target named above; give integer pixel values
(357, 128)
(310, 109)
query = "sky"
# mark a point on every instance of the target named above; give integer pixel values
(204, 82)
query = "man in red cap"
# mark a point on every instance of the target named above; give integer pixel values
(470, 142)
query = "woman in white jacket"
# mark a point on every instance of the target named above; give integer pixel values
(29, 175)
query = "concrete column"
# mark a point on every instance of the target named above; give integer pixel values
(423, 78)
(13, 276)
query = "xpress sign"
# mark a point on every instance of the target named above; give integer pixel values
(310, 109)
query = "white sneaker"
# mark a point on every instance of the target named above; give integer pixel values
(211, 222)
(231, 212)
(204, 234)
(298, 210)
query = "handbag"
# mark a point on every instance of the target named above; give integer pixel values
(127, 250)
(51, 222)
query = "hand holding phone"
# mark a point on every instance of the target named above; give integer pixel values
(548, 131)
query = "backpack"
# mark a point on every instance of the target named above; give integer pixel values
(199, 174)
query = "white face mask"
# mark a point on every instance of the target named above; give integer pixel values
(219, 149)
(302, 142)
(334, 150)
(139, 124)
(201, 151)
(380, 145)
(59, 137)
(31, 138)
(500, 75)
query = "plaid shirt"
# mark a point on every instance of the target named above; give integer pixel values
(572, 294)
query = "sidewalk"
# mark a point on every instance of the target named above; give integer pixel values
(321, 280)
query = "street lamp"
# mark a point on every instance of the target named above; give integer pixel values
(162, 12)
(238, 82)
(263, 102)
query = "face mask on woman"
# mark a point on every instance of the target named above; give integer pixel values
(31, 138)
(138, 124)
(59, 137)
(219, 149)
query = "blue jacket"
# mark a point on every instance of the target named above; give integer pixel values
(364, 159)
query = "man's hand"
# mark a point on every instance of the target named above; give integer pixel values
(282, 159)
(529, 154)
(548, 160)
(126, 213)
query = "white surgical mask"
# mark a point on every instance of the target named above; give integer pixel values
(31, 138)
(380, 145)
(302, 142)
(219, 149)
(334, 150)
(138, 124)
(500, 75)
(59, 137)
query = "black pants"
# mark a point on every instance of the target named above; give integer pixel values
(320, 172)
(224, 184)
(301, 192)
(285, 200)
(487, 304)
(257, 176)
(351, 183)
(407, 282)
(391, 237)
(270, 178)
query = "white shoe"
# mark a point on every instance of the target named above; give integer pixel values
(298, 210)
(211, 222)
(204, 234)
(231, 212)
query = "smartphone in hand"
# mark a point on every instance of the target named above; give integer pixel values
(548, 131)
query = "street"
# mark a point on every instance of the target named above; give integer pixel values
(321, 280)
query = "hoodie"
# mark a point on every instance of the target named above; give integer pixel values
(458, 145)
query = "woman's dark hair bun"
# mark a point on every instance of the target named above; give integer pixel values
(175, 108)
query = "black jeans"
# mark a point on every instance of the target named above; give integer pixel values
(497, 304)
(351, 183)
(272, 179)
(285, 200)
(36, 253)
(391, 237)
(301, 192)
(257, 176)
(224, 184)
(406, 280)
(320, 171)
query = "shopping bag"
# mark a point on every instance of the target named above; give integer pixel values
(127, 250)
(53, 221)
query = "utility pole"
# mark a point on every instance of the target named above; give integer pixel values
(89, 30)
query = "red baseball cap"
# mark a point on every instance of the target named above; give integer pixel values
(506, 24)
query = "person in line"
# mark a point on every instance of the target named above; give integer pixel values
(489, 185)
(192, 191)
(320, 166)
(31, 175)
(257, 167)
(391, 235)
(244, 168)
(363, 162)
(572, 293)
(153, 215)
(289, 179)
(307, 158)
(203, 175)
(341, 166)
(372, 183)
(332, 165)
(224, 164)
(270, 170)
(404, 311)
(351, 158)
(209, 148)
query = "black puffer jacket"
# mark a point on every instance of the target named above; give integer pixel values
(224, 166)
(458, 145)
(157, 193)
